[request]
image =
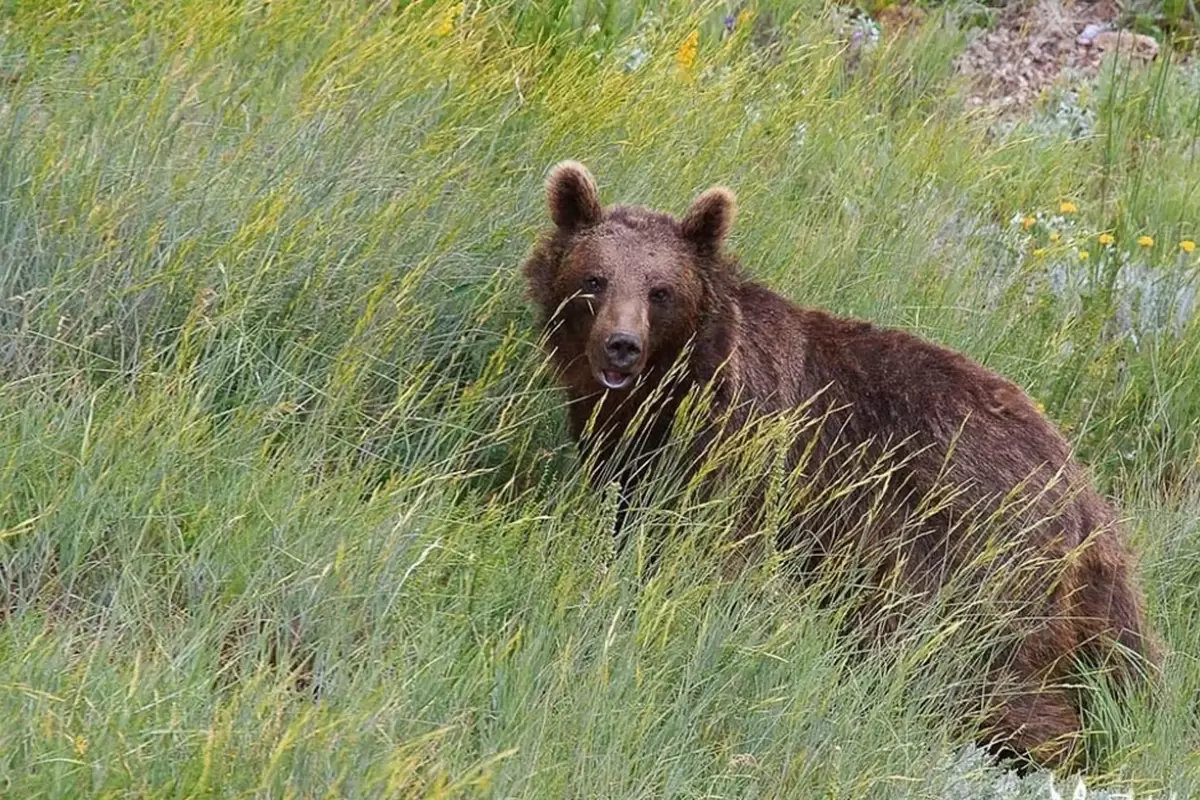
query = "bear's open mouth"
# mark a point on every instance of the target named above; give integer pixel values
(614, 379)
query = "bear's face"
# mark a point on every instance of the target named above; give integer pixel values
(623, 289)
(633, 298)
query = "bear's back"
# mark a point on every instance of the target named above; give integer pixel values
(893, 389)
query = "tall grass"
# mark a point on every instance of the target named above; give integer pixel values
(273, 402)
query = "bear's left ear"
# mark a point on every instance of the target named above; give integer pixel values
(571, 196)
(708, 220)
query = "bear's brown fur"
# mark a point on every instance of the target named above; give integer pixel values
(625, 293)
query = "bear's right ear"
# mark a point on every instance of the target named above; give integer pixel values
(572, 197)
(709, 218)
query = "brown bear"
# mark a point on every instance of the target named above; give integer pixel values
(640, 309)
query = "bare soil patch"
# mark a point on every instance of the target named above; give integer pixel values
(1034, 48)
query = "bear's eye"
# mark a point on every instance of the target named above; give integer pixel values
(593, 284)
(660, 295)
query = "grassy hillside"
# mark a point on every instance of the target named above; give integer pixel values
(271, 397)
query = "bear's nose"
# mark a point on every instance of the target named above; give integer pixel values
(623, 349)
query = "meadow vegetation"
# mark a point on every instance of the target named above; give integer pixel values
(287, 505)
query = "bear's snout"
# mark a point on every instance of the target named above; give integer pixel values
(624, 349)
(617, 358)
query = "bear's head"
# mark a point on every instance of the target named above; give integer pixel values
(623, 290)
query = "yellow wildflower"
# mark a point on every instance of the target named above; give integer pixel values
(1041, 408)
(744, 16)
(1105, 239)
(1146, 241)
(685, 58)
(1083, 255)
(1187, 246)
(1028, 223)
(81, 745)
(1055, 236)
(1067, 207)
(1038, 252)
(446, 27)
